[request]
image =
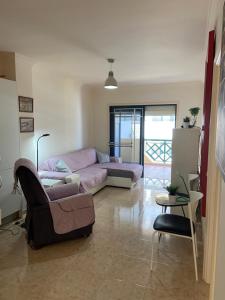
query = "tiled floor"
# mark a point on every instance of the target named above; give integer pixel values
(112, 264)
(157, 176)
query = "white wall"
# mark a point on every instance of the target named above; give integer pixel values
(185, 95)
(62, 109)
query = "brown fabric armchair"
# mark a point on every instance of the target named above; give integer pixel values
(55, 214)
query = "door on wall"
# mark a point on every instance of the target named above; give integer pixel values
(160, 120)
(126, 132)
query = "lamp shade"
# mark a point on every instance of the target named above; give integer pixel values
(111, 82)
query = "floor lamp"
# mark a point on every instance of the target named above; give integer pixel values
(43, 135)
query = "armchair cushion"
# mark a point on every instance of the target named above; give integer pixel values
(72, 212)
(62, 191)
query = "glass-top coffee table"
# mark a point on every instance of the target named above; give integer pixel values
(166, 200)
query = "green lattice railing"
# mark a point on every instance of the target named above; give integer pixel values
(159, 150)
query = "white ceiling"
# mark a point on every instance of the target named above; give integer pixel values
(151, 40)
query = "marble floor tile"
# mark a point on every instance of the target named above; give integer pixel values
(116, 289)
(113, 263)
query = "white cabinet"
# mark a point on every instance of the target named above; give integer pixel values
(185, 155)
(9, 145)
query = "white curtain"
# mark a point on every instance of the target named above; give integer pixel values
(160, 110)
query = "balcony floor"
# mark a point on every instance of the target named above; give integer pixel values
(157, 176)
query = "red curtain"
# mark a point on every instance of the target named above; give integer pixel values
(206, 117)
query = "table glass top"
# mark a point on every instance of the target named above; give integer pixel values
(169, 200)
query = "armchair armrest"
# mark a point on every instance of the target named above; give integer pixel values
(62, 191)
(77, 201)
(72, 212)
(115, 159)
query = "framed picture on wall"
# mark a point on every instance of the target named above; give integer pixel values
(26, 124)
(26, 104)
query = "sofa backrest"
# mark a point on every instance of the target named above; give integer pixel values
(75, 160)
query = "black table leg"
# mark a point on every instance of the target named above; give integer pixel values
(183, 211)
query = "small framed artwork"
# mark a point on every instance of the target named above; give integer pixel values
(26, 124)
(25, 104)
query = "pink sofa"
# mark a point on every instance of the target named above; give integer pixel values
(93, 175)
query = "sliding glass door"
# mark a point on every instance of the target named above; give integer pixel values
(160, 120)
(126, 133)
(159, 123)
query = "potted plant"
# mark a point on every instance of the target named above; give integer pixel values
(172, 189)
(186, 122)
(194, 113)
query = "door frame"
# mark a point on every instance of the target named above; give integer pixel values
(112, 128)
(142, 127)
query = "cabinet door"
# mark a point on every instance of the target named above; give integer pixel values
(9, 144)
(185, 155)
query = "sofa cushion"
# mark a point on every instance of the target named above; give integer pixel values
(103, 157)
(127, 170)
(75, 160)
(49, 164)
(92, 176)
(61, 166)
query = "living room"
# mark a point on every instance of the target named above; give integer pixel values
(54, 56)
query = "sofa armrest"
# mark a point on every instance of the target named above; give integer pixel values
(62, 191)
(116, 159)
(53, 175)
(73, 178)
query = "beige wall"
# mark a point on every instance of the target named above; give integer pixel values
(24, 88)
(62, 109)
(7, 65)
(185, 95)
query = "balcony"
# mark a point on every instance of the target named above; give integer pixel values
(157, 151)
(157, 161)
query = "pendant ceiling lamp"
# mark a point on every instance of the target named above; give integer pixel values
(111, 82)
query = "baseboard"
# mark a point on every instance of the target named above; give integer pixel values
(10, 218)
(120, 182)
(97, 188)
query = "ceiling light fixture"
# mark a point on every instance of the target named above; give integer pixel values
(111, 82)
